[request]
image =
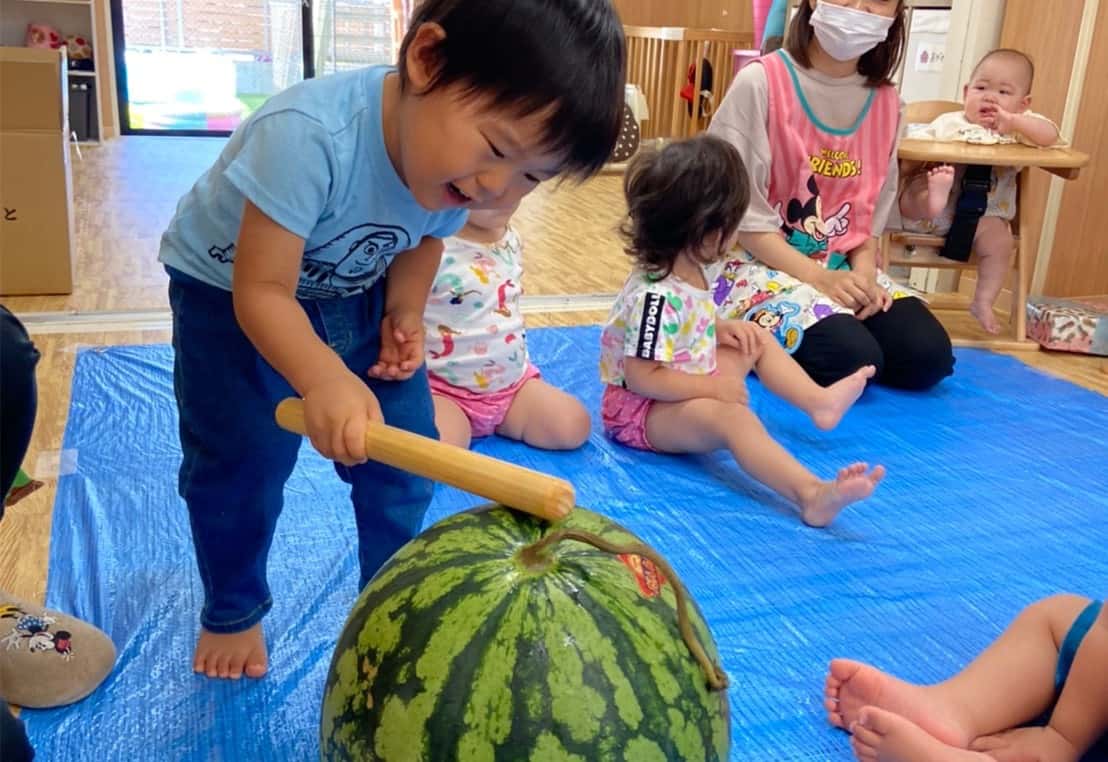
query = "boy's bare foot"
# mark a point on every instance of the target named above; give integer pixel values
(939, 182)
(881, 736)
(231, 655)
(822, 505)
(984, 314)
(839, 397)
(851, 686)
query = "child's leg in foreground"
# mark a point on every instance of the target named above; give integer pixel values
(452, 422)
(994, 246)
(389, 504)
(1081, 716)
(235, 463)
(1078, 720)
(1010, 683)
(546, 417)
(705, 425)
(781, 374)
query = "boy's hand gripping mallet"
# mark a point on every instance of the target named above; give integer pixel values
(520, 488)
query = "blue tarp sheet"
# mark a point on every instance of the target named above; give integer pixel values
(996, 497)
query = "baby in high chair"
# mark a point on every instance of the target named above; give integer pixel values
(482, 379)
(997, 111)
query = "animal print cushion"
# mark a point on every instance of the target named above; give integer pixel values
(1071, 325)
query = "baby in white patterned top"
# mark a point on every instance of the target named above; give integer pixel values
(482, 379)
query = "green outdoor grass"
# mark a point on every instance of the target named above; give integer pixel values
(251, 101)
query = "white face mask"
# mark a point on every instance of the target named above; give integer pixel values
(845, 33)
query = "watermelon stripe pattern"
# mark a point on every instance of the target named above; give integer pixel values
(458, 650)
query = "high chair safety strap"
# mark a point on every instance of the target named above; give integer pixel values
(972, 203)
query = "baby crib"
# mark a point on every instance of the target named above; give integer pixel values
(660, 60)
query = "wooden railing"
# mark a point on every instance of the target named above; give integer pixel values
(658, 63)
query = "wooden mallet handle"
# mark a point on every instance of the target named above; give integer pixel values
(520, 488)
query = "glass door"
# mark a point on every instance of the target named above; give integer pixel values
(200, 67)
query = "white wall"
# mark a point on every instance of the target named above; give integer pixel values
(925, 58)
(974, 30)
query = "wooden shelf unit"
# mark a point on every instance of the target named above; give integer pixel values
(95, 89)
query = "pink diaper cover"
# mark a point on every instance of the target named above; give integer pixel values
(485, 410)
(624, 415)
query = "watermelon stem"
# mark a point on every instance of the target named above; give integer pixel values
(535, 556)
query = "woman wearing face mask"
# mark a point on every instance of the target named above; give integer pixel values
(817, 124)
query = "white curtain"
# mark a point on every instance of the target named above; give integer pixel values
(401, 15)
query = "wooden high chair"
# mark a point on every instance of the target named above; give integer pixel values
(919, 250)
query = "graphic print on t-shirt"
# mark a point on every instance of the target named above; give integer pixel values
(351, 262)
(832, 163)
(649, 326)
(347, 264)
(805, 227)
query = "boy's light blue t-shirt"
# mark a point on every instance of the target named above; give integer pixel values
(313, 159)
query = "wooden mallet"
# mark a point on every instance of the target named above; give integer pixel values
(521, 488)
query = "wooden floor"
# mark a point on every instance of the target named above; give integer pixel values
(125, 194)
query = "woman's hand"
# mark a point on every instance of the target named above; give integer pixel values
(850, 289)
(880, 299)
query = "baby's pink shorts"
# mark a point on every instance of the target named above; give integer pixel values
(485, 410)
(624, 416)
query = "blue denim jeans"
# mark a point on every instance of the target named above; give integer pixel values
(236, 458)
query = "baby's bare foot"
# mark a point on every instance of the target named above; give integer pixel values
(939, 182)
(231, 655)
(984, 314)
(820, 507)
(851, 686)
(839, 397)
(881, 736)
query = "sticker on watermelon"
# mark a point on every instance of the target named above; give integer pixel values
(646, 573)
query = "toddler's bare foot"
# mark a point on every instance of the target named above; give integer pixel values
(881, 736)
(852, 686)
(984, 314)
(839, 397)
(853, 483)
(231, 655)
(939, 182)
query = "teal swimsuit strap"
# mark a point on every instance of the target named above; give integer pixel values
(1068, 652)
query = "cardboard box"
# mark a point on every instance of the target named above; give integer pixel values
(36, 221)
(36, 190)
(1078, 324)
(33, 90)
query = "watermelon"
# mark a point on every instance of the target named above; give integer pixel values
(497, 636)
